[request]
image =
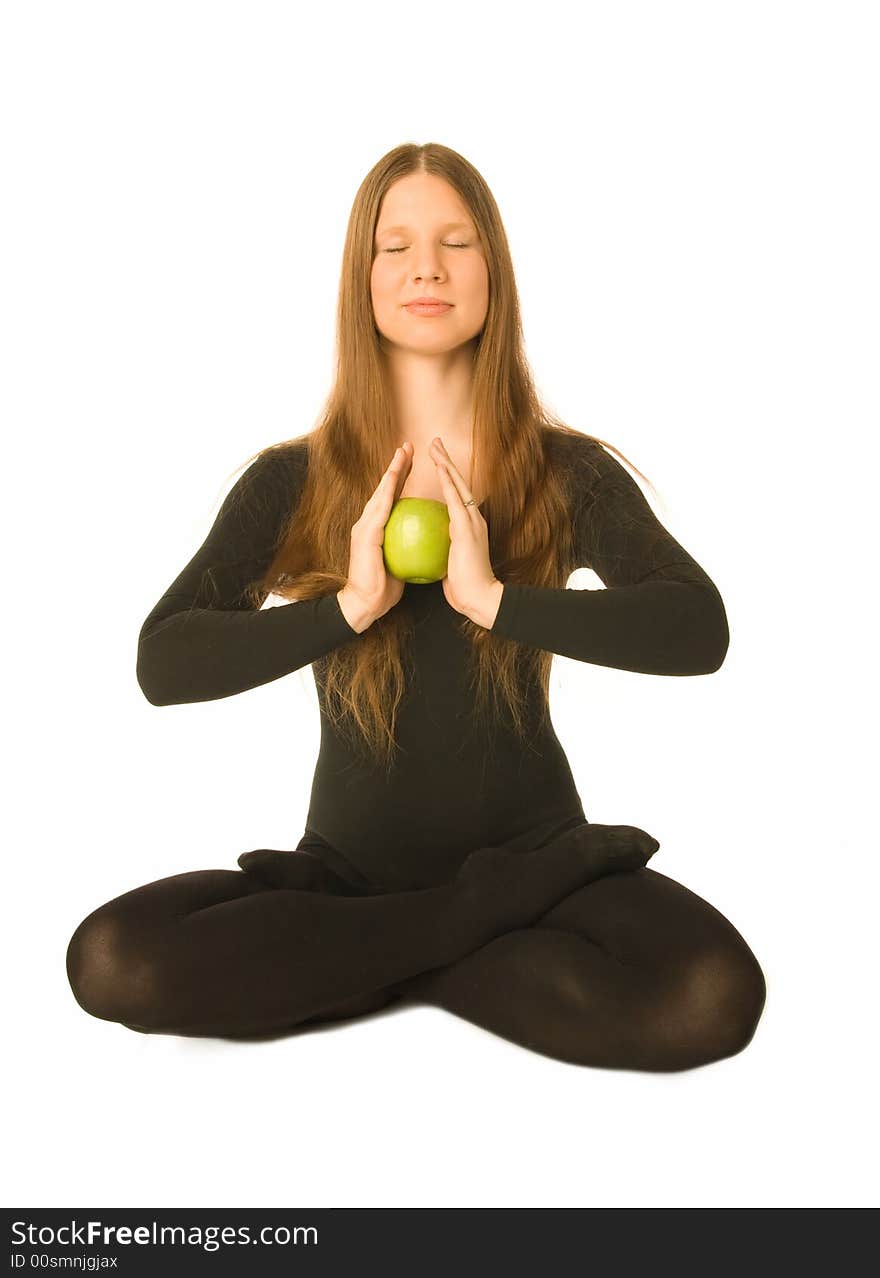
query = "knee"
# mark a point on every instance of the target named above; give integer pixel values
(109, 978)
(717, 1005)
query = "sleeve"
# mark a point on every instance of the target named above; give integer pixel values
(660, 612)
(203, 639)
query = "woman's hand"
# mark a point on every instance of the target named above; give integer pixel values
(370, 590)
(470, 585)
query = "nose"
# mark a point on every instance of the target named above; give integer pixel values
(429, 268)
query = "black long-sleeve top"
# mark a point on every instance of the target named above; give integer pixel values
(455, 786)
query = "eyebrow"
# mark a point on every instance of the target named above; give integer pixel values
(447, 226)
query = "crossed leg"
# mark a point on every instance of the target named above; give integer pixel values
(217, 952)
(227, 952)
(627, 970)
(633, 971)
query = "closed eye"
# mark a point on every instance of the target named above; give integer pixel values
(401, 250)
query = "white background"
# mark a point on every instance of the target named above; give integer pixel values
(690, 192)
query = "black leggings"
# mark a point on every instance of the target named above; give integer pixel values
(574, 949)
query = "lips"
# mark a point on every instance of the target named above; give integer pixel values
(427, 301)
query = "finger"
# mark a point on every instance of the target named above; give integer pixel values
(382, 497)
(403, 458)
(456, 487)
(442, 456)
(402, 467)
(450, 492)
(392, 472)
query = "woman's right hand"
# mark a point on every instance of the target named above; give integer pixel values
(370, 590)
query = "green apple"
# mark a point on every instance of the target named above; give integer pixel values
(415, 543)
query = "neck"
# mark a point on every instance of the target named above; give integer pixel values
(432, 395)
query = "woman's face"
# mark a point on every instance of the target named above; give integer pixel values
(426, 245)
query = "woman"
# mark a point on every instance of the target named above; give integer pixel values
(446, 855)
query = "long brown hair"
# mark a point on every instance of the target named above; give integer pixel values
(527, 512)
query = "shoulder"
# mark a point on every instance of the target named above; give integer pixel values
(276, 467)
(269, 484)
(281, 461)
(580, 459)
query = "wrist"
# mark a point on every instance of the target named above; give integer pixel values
(353, 610)
(487, 609)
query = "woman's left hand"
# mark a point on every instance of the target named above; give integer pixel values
(470, 585)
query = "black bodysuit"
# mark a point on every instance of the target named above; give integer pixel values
(470, 878)
(660, 614)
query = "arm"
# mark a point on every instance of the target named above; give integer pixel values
(660, 614)
(203, 640)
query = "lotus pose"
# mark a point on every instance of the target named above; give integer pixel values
(446, 857)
